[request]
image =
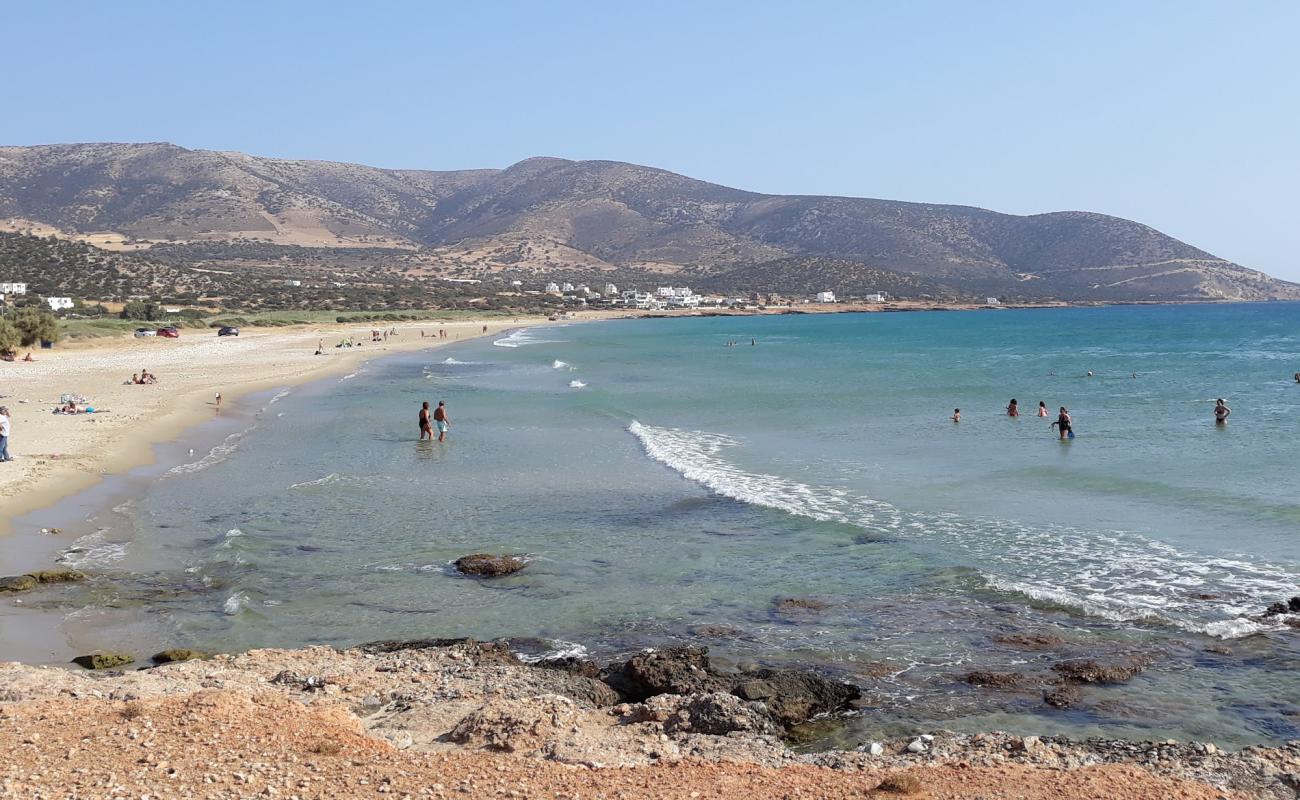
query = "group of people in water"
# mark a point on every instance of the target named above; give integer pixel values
(1065, 423)
(437, 418)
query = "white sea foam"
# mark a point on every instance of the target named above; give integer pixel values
(92, 551)
(561, 649)
(576, 385)
(347, 377)
(214, 456)
(280, 395)
(456, 361)
(1115, 575)
(558, 364)
(520, 338)
(234, 604)
(328, 479)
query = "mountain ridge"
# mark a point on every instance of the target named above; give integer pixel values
(549, 213)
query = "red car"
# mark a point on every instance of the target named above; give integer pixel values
(169, 332)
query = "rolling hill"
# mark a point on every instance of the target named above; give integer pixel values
(551, 215)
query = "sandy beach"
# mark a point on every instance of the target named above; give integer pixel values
(57, 455)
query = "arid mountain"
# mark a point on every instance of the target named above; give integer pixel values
(548, 214)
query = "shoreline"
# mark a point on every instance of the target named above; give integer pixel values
(462, 718)
(172, 407)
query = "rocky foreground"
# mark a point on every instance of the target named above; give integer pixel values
(464, 719)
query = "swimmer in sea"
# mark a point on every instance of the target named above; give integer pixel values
(1042, 408)
(1013, 410)
(956, 415)
(1063, 423)
(1221, 413)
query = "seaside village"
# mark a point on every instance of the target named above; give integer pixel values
(666, 298)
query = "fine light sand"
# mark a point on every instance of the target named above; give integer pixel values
(57, 456)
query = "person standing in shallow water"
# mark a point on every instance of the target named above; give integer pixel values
(1221, 412)
(956, 415)
(1013, 409)
(426, 426)
(440, 418)
(1063, 422)
(1042, 408)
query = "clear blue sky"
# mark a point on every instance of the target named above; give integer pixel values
(1182, 115)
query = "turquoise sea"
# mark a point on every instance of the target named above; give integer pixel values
(671, 488)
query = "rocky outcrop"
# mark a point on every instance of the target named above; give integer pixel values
(1291, 606)
(470, 649)
(1062, 696)
(103, 660)
(17, 583)
(788, 696)
(673, 670)
(486, 565)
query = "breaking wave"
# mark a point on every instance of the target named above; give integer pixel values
(1115, 575)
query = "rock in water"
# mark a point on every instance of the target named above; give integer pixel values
(58, 575)
(103, 660)
(1062, 697)
(17, 583)
(1089, 671)
(486, 565)
(178, 654)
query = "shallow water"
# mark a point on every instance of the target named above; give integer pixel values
(662, 481)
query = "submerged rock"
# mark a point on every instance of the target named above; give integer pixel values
(1030, 641)
(178, 654)
(486, 565)
(103, 660)
(995, 680)
(58, 575)
(1089, 671)
(17, 583)
(789, 604)
(1063, 696)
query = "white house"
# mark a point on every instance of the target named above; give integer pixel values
(293, 283)
(59, 303)
(610, 290)
(13, 288)
(516, 283)
(642, 300)
(552, 288)
(876, 297)
(566, 286)
(993, 301)
(826, 297)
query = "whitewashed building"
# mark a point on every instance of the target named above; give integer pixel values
(993, 301)
(610, 290)
(566, 287)
(59, 303)
(293, 283)
(552, 288)
(13, 288)
(876, 297)
(826, 297)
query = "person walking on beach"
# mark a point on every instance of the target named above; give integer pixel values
(1013, 409)
(1042, 408)
(1064, 423)
(216, 399)
(440, 417)
(1221, 413)
(426, 427)
(4, 434)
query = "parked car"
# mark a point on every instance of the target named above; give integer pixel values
(227, 330)
(169, 332)
(145, 332)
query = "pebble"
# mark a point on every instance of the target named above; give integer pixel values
(876, 749)
(917, 746)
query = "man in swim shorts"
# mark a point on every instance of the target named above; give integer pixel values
(440, 419)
